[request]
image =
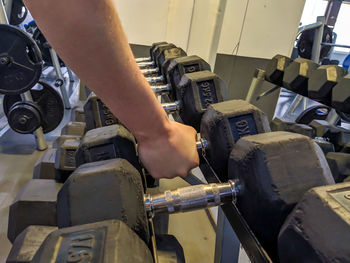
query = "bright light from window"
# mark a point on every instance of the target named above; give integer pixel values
(342, 28)
(313, 9)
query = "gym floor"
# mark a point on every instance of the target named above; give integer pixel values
(18, 156)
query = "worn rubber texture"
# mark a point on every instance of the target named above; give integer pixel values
(297, 74)
(223, 124)
(183, 65)
(103, 190)
(339, 164)
(74, 128)
(61, 139)
(77, 113)
(278, 125)
(341, 95)
(45, 167)
(27, 243)
(318, 229)
(275, 68)
(322, 81)
(275, 169)
(35, 204)
(97, 114)
(197, 91)
(109, 241)
(325, 145)
(65, 155)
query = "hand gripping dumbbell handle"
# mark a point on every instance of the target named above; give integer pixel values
(191, 198)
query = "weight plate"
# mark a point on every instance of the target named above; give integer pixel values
(306, 40)
(344, 116)
(49, 102)
(18, 12)
(24, 117)
(319, 112)
(44, 48)
(20, 61)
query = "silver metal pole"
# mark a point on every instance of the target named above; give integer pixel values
(3, 16)
(8, 7)
(60, 79)
(316, 48)
(256, 84)
(38, 133)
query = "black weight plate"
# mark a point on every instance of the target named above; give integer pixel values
(306, 40)
(18, 12)
(49, 102)
(24, 117)
(44, 48)
(319, 112)
(20, 61)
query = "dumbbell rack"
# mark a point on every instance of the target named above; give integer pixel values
(250, 243)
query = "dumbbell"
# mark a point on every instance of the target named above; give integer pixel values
(82, 242)
(292, 75)
(339, 163)
(222, 125)
(318, 229)
(341, 95)
(196, 91)
(255, 155)
(150, 58)
(322, 81)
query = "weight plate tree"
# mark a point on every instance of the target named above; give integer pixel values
(47, 99)
(44, 47)
(20, 61)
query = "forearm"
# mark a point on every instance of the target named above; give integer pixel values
(89, 37)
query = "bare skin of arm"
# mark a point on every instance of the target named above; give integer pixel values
(89, 37)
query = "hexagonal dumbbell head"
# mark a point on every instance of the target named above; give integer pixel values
(181, 66)
(322, 80)
(164, 59)
(45, 167)
(341, 95)
(225, 123)
(275, 169)
(97, 114)
(278, 125)
(196, 91)
(74, 128)
(275, 68)
(27, 243)
(339, 163)
(103, 190)
(159, 49)
(107, 143)
(106, 241)
(65, 158)
(61, 139)
(318, 229)
(35, 204)
(297, 74)
(77, 114)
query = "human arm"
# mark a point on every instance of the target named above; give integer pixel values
(90, 39)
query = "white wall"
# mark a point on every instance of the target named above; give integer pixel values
(261, 28)
(204, 27)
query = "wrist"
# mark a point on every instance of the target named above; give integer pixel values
(156, 130)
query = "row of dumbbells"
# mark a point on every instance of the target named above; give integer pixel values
(327, 84)
(272, 171)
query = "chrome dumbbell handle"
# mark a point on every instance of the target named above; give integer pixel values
(191, 198)
(144, 65)
(171, 106)
(161, 89)
(150, 71)
(159, 79)
(143, 59)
